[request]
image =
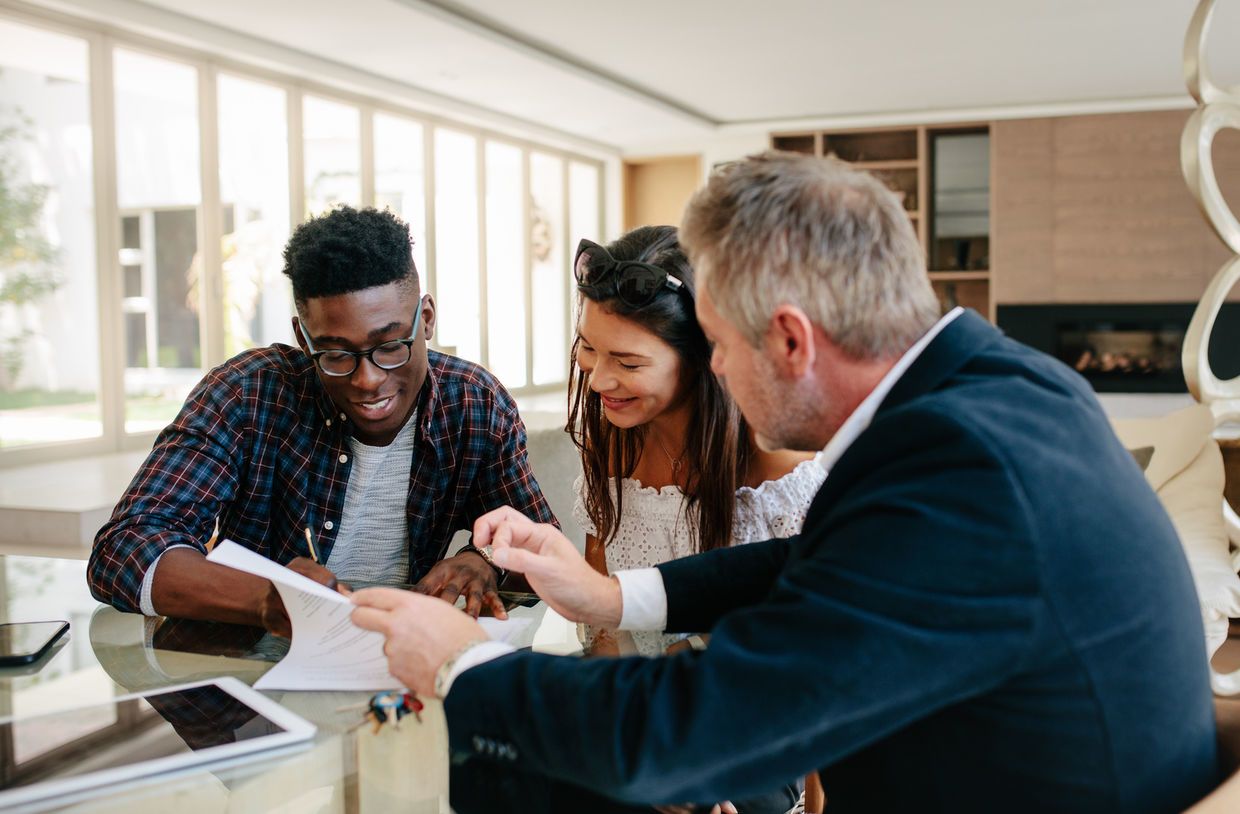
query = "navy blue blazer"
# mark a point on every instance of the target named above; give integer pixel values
(987, 609)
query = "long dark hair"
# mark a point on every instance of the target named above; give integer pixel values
(717, 448)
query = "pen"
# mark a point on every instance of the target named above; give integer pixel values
(314, 555)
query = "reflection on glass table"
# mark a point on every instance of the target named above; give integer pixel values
(166, 731)
(108, 654)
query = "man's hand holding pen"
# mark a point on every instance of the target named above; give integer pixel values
(466, 575)
(271, 610)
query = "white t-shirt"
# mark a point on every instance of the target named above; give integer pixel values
(373, 542)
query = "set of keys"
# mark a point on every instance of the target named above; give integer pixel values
(388, 706)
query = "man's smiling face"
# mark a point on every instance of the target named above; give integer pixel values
(377, 401)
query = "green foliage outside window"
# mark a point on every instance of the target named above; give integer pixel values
(27, 258)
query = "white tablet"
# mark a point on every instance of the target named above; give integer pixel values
(153, 732)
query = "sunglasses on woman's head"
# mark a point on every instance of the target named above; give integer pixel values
(601, 276)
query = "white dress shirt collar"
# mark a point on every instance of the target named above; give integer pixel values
(861, 417)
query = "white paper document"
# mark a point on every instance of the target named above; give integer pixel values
(508, 630)
(328, 652)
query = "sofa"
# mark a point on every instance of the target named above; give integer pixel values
(1184, 466)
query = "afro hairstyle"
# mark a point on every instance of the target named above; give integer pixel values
(348, 250)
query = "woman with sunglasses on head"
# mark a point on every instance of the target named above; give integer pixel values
(668, 465)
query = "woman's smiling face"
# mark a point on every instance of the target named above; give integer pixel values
(636, 374)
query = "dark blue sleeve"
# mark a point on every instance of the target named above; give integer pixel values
(921, 564)
(702, 588)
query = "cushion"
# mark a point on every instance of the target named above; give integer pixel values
(1186, 472)
(556, 464)
(1142, 456)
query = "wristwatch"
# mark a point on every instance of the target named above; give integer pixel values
(485, 553)
(442, 685)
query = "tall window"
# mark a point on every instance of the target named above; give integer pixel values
(102, 335)
(333, 154)
(159, 192)
(584, 209)
(400, 178)
(506, 242)
(255, 223)
(456, 242)
(548, 242)
(49, 316)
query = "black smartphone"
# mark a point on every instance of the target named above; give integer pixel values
(524, 599)
(24, 642)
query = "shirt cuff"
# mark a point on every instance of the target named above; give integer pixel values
(148, 579)
(643, 599)
(478, 654)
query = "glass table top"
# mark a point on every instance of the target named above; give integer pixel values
(108, 653)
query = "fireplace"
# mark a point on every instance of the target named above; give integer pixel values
(1123, 348)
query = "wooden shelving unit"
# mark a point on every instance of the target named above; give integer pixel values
(895, 164)
(902, 158)
(958, 276)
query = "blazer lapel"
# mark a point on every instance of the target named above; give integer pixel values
(956, 344)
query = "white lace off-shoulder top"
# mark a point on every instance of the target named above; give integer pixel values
(654, 527)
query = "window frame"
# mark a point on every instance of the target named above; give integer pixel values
(102, 40)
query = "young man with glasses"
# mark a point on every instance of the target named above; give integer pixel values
(361, 440)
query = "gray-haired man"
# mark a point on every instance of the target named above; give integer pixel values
(987, 608)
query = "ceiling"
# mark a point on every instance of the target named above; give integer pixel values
(643, 72)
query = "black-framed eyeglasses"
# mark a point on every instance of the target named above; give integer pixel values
(387, 356)
(601, 276)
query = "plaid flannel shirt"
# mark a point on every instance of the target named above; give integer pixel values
(261, 447)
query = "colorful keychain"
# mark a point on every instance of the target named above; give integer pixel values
(389, 706)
